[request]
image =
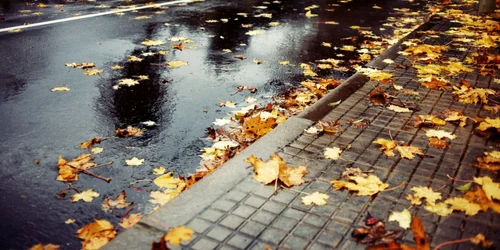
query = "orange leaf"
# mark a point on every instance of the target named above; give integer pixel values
(419, 234)
(89, 143)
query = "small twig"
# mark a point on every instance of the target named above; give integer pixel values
(441, 187)
(276, 186)
(451, 242)
(102, 165)
(74, 188)
(126, 213)
(92, 174)
(396, 187)
(456, 179)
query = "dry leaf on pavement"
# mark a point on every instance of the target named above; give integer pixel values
(129, 131)
(364, 186)
(276, 168)
(96, 234)
(490, 161)
(178, 234)
(131, 220)
(332, 153)
(403, 218)
(119, 202)
(134, 161)
(167, 181)
(423, 192)
(68, 171)
(317, 198)
(45, 247)
(87, 196)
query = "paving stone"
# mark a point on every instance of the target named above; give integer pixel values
(306, 230)
(330, 239)
(252, 228)
(254, 201)
(199, 225)
(224, 205)
(211, 215)
(273, 207)
(219, 233)
(205, 243)
(272, 235)
(284, 224)
(244, 211)
(264, 217)
(232, 221)
(240, 241)
(294, 242)
(294, 214)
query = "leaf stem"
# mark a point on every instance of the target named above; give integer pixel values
(456, 179)
(396, 187)
(451, 242)
(126, 213)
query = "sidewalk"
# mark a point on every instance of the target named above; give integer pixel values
(230, 210)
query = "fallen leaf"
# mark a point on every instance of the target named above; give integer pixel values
(490, 161)
(178, 234)
(332, 153)
(429, 120)
(60, 89)
(438, 143)
(120, 202)
(469, 95)
(90, 142)
(96, 234)
(464, 187)
(69, 221)
(398, 109)
(403, 218)
(478, 196)
(423, 192)
(152, 42)
(364, 186)
(419, 236)
(387, 146)
(489, 127)
(68, 171)
(241, 57)
(166, 181)
(462, 204)
(255, 32)
(134, 161)
(159, 171)
(480, 239)
(129, 131)
(440, 134)
(176, 64)
(276, 168)
(45, 247)
(87, 196)
(317, 198)
(92, 72)
(256, 127)
(440, 209)
(490, 188)
(96, 150)
(378, 97)
(309, 14)
(131, 220)
(409, 152)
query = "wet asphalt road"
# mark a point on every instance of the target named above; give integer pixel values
(41, 125)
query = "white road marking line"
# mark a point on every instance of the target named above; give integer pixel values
(92, 15)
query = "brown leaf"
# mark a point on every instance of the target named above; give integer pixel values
(119, 202)
(428, 121)
(68, 171)
(129, 131)
(96, 234)
(438, 143)
(91, 142)
(162, 245)
(45, 247)
(419, 234)
(131, 220)
(378, 97)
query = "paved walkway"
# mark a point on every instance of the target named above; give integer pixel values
(230, 210)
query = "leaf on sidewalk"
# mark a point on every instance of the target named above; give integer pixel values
(419, 234)
(364, 186)
(490, 161)
(332, 153)
(423, 192)
(462, 204)
(317, 198)
(131, 220)
(489, 127)
(440, 134)
(491, 189)
(178, 234)
(403, 218)
(399, 109)
(276, 168)
(428, 121)
(167, 181)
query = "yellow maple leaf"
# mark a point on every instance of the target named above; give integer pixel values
(276, 168)
(96, 150)
(96, 234)
(479, 197)
(134, 161)
(255, 126)
(409, 152)
(462, 204)
(490, 160)
(332, 153)
(423, 192)
(486, 41)
(178, 234)
(440, 209)
(68, 171)
(166, 181)
(379, 76)
(92, 72)
(317, 198)
(429, 120)
(363, 185)
(440, 134)
(69, 221)
(162, 198)
(468, 95)
(457, 67)
(387, 146)
(489, 124)
(87, 196)
(131, 220)
(403, 218)
(490, 188)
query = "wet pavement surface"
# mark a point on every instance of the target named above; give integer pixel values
(38, 124)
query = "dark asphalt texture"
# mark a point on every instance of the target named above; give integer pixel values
(41, 125)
